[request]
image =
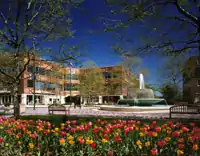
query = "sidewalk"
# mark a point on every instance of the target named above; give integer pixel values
(91, 111)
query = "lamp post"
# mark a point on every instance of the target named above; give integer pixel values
(34, 75)
(70, 82)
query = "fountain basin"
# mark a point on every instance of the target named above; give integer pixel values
(142, 102)
(126, 108)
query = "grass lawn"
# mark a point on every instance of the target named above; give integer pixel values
(58, 119)
(3, 113)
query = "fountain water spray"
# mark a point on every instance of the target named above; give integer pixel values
(141, 78)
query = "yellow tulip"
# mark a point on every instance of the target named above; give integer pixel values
(31, 145)
(147, 144)
(179, 152)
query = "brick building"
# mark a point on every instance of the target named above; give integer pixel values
(191, 80)
(50, 82)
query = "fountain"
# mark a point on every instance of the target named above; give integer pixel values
(142, 100)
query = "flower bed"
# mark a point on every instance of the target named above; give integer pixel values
(118, 137)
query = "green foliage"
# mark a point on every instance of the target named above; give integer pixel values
(169, 93)
(92, 80)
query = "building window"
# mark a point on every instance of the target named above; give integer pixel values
(39, 85)
(30, 83)
(72, 87)
(197, 71)
(40, 71)
(198, 83)
(73, 77)
(197, 62)
(30, 69)
(50, 86)
(107, 75)
(68, 86)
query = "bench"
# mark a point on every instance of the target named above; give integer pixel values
(58, 108)
(184, 109)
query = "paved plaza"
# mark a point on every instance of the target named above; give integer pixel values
(94, 111)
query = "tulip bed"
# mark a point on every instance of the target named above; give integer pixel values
(99, 138)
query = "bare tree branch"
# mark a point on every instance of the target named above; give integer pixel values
(183, 20)
(7, 25)
(185, 13)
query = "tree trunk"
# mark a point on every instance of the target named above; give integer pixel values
(16, 100)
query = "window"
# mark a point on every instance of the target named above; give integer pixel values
(59, 86)
(30, 83)
(198, 82)
(197, 62)
(30, 69)
(72, 87)
(68, 86)
(107, 75)
(40, 71)
(73, 77)
(197, 71)
(50, 86)
(39, 85)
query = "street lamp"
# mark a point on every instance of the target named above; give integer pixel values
(70, 82)
(34, 75)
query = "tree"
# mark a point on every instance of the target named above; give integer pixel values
(169, 93)
(160, 21)
(92, 82)
(134, 65)
(30, 23)
(172, 70)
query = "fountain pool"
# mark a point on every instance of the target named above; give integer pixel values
(144, 101)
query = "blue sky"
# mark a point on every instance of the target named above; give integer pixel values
(99, 45)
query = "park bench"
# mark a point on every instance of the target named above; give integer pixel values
(58, 108)
(184, 109)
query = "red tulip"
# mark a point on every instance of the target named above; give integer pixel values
(181, 146)
(154, 151)
(150, 133)
(117, 139)
(192, 124)
(126, 130)
(73, 122)
(153, 122)
(107, 131)
(89, 123)
(1, 140)
(73, 130)
(95, 130)
(169, 122)
(119, 121)
(172, 126)
(185, 129)
(158, 129)
(106, 137)
(38, 146)
(63, 133)
(161, 143)
(114, 121)
(67, 122)
(93, 145)
(175, 134)
(98, 121)
(81, 141)
(138, 123)
(110, 152)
